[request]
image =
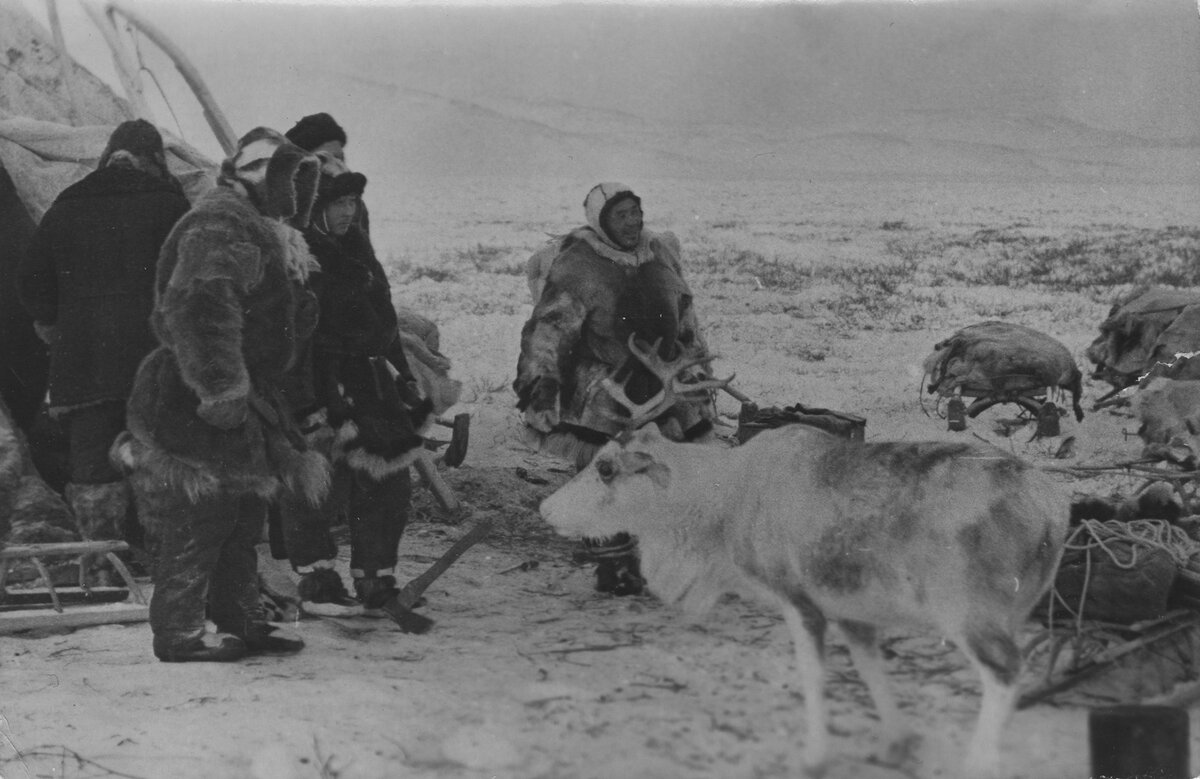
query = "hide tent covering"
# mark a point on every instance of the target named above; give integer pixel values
(53, 129)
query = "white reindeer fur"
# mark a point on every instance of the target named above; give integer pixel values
(963, 538)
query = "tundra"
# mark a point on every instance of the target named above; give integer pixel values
(959, 537)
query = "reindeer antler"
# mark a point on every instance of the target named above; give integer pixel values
(668, 373)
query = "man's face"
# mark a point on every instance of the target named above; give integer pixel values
(339, 214)
(624, 223)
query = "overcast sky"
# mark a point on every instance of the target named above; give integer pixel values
(1131, 66)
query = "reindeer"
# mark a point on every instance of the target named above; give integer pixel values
(961, 537)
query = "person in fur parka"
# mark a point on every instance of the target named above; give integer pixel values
(603, 282)
(209, 438)
(597, 287)
(364, 382)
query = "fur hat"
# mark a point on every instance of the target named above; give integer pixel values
(314, 130)
(138, 137)
(337, 180)
(280, 177)
(601, 199)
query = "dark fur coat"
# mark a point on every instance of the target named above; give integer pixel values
(356, 349)
(232, 314)
(90, 272)
(579, 329)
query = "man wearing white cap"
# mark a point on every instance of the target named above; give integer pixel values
(599, 285)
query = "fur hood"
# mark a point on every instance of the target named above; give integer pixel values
(279, 177)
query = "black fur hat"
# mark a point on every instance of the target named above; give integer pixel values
(314, 130)
(138, 137)
(337, 180)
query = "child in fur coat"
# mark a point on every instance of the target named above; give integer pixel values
(365, 385)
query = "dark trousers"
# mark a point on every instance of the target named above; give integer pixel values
(205, 560)
(376, 511)
(90, 432)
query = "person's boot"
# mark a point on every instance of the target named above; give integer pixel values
(265, 638)
(373, 592)
(322, 593)
(206, 648)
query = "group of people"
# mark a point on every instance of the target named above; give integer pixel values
(237, 360)
(215, 358)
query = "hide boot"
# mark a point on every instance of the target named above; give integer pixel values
(203, 648)
(374, 591)
(323, 594)
(265, 638)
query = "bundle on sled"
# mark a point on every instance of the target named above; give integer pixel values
(431, 369)
(752, 420)
(998, 362)
(1123, 616)
(1149, 326)
(1168, 412)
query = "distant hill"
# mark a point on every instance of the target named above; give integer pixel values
(1048, 89)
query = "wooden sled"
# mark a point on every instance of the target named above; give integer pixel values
(69, 607)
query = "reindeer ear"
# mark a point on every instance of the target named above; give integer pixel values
(639, 462)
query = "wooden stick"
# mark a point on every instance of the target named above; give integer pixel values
(126, 68)
(411, 592)
(212, 112)
(65, 64)
(18, 551)
(76, 618)
(41, 569)
(441, 491)
(1104, 659)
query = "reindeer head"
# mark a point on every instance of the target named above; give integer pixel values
(670, 374)
(617, 491)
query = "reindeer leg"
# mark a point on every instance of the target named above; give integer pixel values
(807, 626)
(996, 656)
(896, 741)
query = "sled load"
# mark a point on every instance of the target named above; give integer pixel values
(998, 362)
(752, 420)
(1147, 329)
(1123, 618)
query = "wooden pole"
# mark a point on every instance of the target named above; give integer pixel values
(65, 64)
(127, 69)
(216, 119)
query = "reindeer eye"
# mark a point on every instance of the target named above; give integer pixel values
(606, 470)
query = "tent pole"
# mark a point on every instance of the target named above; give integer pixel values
(65, 64)
(216, 119)
(127, 70)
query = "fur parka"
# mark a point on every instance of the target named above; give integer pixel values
(232, 314)
(578, 332)
(356, 348)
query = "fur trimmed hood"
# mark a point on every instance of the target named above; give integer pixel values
(601, 199)
(279, 177)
